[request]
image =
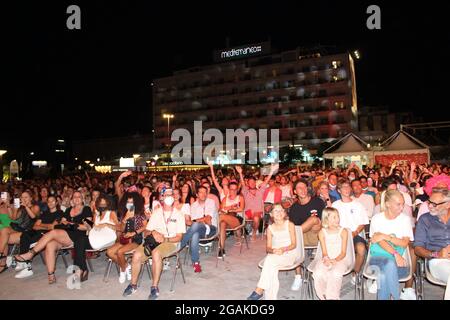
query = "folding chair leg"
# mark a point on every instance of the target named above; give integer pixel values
(187, 252)
(149, 271)
(107, 271)
(89, 264)
(174, 275)
(141, 273)
(63, 256)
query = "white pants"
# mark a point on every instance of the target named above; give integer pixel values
(269, 274)
(440, 269)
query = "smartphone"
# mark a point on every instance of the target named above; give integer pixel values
(4, 196)
(17, 203)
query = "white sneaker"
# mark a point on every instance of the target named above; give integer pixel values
(20, 266)
(25, 273)
(122, 276)
(9, 261)
(297, 283)
(353, 280)
(166, 265)
(372, 286)
(408, 294)
(128, 272)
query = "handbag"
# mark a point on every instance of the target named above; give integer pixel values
(377, 251)
(150, 243)
(100, 238)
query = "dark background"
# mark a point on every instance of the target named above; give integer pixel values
(96, 82)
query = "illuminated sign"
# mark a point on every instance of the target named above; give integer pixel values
(242, 51)
(126, 162)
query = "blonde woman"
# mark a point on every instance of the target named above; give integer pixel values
(330, 269)
(390, 234)
(281, 244)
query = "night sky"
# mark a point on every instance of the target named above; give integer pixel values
(96, 82)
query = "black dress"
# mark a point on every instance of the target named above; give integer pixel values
(79, 238)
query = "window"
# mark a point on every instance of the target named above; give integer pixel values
(339, 105)
(277, 111)
(292, 110)
(293, 124)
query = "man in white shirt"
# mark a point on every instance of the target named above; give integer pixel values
(353, 216)
(359, 196)
(203, 224)
(163, 234)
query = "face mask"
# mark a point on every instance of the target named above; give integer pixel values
(351, 178)
(419, 190)
(101, 209)
(365, 189)
(332, 186)
(169, 200)
(130, 207)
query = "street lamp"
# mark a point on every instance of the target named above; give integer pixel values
(168, 117)
(2, 152)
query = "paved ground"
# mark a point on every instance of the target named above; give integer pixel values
(233, 279)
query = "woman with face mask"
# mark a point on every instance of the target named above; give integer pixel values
(132, 226)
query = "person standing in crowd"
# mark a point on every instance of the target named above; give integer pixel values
(390, 234)
(280, 246)
(203, 223)
(306, 212)
(354, 217)
(366, 189)
(329, 271)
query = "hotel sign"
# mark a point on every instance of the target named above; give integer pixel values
(242, 52)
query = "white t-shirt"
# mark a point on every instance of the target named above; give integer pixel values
(168, 223)
(352, 214)
(270, 197)
(286, 191)
(198, 211)
(399, 227)
(367, 202)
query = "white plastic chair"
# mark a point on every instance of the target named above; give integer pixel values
(349, 259)
(243, 234)
(372, 276)
(300, 252)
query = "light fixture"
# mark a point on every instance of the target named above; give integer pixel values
(136, 156)
(31, 153)
(91, 164)
(98, 159)
(168, 116)
(87, 161)
(2, 152)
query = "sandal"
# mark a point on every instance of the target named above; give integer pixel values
(18, 258)
(51, 277)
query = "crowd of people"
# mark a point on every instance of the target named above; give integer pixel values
(383, 211)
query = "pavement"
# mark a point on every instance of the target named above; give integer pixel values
(233, 279)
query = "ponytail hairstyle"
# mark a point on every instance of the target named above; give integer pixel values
(387, 196)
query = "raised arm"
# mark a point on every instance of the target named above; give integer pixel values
(119, 182)
(216, 183)
(273, 168)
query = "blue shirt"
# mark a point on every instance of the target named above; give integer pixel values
(431, 233)
(334, 194)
